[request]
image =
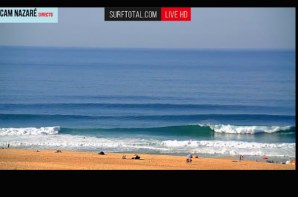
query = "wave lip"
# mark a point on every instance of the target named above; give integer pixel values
(30, 131)
(233, 129)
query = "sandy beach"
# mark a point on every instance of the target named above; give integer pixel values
(30, 159)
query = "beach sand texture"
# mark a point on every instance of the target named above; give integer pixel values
(30, 159)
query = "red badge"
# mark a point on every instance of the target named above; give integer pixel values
(175, 14)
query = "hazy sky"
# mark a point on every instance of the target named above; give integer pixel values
(209, 28)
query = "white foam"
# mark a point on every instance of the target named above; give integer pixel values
(30, 131)
(76, 142)
(233, 147)
(247, 129)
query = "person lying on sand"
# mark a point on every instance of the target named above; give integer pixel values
(136, 157)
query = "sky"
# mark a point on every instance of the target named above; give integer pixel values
(231, 28)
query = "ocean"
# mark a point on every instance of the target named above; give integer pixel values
(216, 103)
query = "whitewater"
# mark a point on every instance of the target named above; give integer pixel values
(52, 137)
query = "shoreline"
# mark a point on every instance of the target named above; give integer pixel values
(31, 159)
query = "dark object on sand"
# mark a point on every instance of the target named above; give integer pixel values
(196, 156)
(101, 153)
(8, 145)
(123, 156)
(136, 157)
(58, 151)
(37, 151)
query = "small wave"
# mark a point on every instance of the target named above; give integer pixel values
(30, 131)
(193, 117)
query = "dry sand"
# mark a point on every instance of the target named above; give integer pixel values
(29, 159)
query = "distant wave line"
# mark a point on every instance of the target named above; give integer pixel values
(141, 105)
(150, 117)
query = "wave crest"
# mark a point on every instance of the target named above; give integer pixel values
(182, 130)
(233, 129)
(30, 131)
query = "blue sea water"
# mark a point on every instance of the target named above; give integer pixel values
(174, 101)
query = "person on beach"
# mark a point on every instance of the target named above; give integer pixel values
(136, 157)
(8, 145)
(189, 158)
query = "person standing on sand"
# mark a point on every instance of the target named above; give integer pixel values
(7, 145)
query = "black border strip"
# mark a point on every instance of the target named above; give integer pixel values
(153, 3)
